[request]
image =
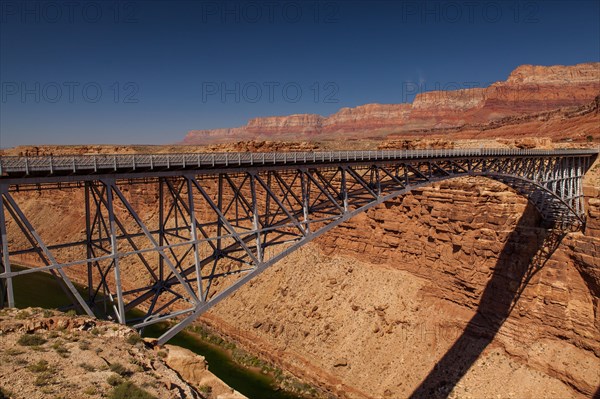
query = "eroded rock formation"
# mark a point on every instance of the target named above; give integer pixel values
(528, 90)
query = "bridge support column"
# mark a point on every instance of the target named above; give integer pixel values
(255, 218)
(305, 183)
(88, 243)
(344, 189)
(161, 225)
(7, 296)
(109, 184)
(194, 236)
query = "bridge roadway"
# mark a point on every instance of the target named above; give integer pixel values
(84, 165)
(220, 219)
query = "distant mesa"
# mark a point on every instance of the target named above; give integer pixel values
(528, 90)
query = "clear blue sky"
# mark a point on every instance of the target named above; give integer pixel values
(149, 71)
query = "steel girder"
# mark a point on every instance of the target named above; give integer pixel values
(209, 233)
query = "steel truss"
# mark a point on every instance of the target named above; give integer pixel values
(211, 231)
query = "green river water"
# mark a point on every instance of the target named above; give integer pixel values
(42, 290)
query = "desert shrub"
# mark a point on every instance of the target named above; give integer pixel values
(60, 349)
(89, 391)
(87, 367)
(23, 314)
(73, 337)
(44, 378)
(139, 365)
(31, 340)
(206, 390)
(128, 390)
(84, 345)
(134, 339)
(119, 369)
(114, 380)
(161, 354)
(38, 348)
(38, 367)
(146, 384)
(590, 138)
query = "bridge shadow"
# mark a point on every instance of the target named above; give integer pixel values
(526, 251)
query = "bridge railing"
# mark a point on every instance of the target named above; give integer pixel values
(131, 162)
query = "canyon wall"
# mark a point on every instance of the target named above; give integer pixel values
(528, 90)
(431, 293)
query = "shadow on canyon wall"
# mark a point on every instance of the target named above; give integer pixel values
(526, 251)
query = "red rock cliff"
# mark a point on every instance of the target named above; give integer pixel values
(529, 89)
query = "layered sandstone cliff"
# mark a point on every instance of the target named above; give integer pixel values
(367, 117)
(557, 74)
(529, 89)
(433, 293)
(301, 123)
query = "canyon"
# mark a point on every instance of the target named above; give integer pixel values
(528, 90)
(433, 294)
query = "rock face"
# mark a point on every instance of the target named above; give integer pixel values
(193, 369)
(558, 74)
(432, 293)
(529, 89)
(47, 354)
(301, 123)
(367, 117)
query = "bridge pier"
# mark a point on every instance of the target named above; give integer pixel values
(7, 296)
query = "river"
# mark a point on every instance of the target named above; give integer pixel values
(42, 290)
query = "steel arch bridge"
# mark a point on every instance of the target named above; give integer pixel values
(221, 219)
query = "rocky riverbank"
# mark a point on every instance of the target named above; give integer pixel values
(49, 354)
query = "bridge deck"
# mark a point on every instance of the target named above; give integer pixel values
(24, 167)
